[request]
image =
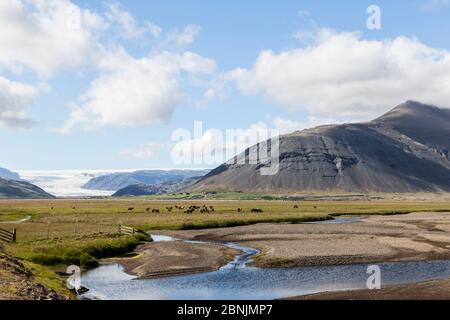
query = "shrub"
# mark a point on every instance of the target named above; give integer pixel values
(143, 237)
(47, 259)
(88, 261)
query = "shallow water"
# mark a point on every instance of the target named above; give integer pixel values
(236, 281)
(337, 220)
(159, 238)
(110, 282)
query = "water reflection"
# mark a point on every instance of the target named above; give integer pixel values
(110, 282)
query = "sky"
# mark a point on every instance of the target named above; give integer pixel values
(105, 85)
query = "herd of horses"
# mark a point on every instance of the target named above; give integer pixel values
(194, 208)
(184, 209)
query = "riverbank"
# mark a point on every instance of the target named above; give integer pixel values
(411, 237)
(430, 290)
(237, 282)
(18, 282)
(162, 259)
(348, 241)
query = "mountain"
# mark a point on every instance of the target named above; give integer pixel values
(155, 189)
(8, 175)
(139, 190)
(117, 181)
(405, 150)
(10, 189)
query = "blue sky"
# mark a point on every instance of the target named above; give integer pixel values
(145, 68)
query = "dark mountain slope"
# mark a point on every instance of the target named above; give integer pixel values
(428, 125)
(21, 190)
(406, 150)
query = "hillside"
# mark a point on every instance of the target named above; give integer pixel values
(17, 282)
(21, 190)
(405, 150)
(8, 175)
(155, 189)
(117, 181)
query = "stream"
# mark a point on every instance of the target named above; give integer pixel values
(237, 281)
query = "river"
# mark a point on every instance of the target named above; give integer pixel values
(237, 281)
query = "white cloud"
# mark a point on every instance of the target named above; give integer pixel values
(286, 126)
(134, 92)
(14, 98)
(342, 76)
(144, 151)
(40, 38)
(44, 36)
(183, 38)
(153, 28)
(128, 24)
(217, 88)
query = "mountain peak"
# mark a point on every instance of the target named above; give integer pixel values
(413, 109)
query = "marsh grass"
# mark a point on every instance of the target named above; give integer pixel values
(83, 251)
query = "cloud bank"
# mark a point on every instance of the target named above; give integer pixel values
(344, 76)
(41, 38)
(134, 92)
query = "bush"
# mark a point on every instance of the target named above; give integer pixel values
(88, 261)
(47, 259)
(143, 237)
(71, 257)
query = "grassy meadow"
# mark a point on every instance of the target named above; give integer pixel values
(64, 232)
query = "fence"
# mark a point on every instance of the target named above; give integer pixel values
(129, 231)
(8, 236)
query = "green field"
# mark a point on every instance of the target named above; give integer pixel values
(64, 232)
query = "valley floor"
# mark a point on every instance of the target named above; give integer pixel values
(64, 232)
